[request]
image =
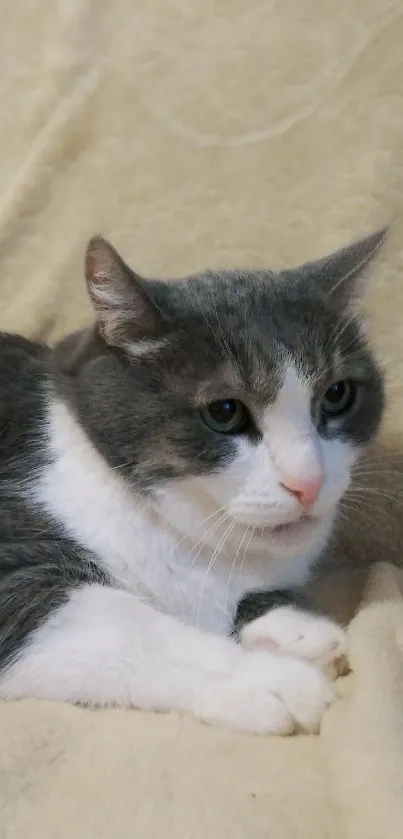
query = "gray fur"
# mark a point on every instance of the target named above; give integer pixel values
(211, 335)
(38, 564)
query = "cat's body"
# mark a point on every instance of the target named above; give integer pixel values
(135, 515)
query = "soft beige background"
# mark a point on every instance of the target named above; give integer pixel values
(196, 133)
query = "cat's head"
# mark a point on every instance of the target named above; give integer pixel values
(254, 388)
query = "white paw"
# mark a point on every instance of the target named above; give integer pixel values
(267, 694)
(290, 631)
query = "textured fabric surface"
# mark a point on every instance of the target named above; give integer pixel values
(194, 134)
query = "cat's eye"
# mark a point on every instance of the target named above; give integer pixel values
(339, 398)
(226, 416)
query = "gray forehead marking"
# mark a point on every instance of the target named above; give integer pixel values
(250, 322)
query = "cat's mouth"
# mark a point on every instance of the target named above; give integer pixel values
(290, 528)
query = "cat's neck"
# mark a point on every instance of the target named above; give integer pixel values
(176, 550)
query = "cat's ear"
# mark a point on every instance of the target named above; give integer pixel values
(341, 275)
(120, 298)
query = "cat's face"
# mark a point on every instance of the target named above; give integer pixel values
(253, 389)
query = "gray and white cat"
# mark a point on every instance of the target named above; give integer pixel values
(162, 468)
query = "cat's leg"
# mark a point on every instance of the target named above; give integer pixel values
(282, 621)
(105, 647)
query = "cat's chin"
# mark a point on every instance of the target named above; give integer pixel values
(301, 533)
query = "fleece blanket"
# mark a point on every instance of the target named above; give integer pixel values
(194, 134)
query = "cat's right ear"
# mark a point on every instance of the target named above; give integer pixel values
(121, 301)
(341, 275)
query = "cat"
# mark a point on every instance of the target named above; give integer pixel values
(170, 476)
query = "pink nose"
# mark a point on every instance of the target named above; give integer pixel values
(306, 491)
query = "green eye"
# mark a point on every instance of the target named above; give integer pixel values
(227, 416)
(339, 398)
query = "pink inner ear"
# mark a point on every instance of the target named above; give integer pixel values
(89, 266)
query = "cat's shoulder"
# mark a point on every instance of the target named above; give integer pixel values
(25, 366)
(18, 349)
(19, 359)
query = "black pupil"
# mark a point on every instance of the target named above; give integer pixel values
(223, 412)
(336, 393)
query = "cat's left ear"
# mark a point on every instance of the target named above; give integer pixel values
(122, 300)
(341, 275)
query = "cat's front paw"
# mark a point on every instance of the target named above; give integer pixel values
(291, 631)
(267, 694)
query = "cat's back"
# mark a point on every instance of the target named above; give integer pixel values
(25, 375)
(24, 372)
(23, 366)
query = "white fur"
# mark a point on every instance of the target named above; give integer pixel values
(106, 647)
(291, 631)
(181, 563)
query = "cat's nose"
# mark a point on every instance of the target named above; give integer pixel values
(305, 490)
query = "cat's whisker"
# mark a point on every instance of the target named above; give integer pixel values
(378, 454)
(342, 513)
(339, 330)
(358, 350)
(363, 491)
(362, 502)
(364, 507)
(346, 517)
(379, 463)
(246, 550)
(341, 327)
(347, 356)
(351, 512)
(202, 542)
(379, 457)
(233, 566)
(211, 564)
(185, 537)
(377, 472)
(352, 505)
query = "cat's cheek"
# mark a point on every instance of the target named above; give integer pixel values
(225, 484)
(339, 458)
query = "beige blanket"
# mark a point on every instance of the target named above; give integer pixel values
(199, 133)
